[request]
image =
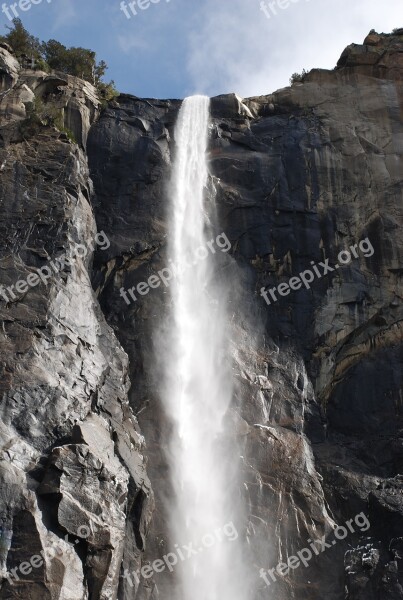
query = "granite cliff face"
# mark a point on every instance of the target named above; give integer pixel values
(299, 176)
(72, 467)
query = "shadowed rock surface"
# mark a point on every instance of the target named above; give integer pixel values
(299, 176)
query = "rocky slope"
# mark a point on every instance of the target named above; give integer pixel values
(71, 459)
(299, 176)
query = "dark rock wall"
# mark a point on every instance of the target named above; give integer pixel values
(299, 176)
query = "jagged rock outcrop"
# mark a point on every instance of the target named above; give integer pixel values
(69, 101)
(9, 67)
(299, 175)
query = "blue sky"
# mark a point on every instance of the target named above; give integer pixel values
(175, 48)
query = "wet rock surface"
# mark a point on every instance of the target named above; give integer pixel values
(299, 176)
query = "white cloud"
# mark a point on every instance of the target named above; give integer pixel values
(234, 47)
(131, 41)
(65, 14)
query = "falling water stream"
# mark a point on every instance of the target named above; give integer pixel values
(200, 384)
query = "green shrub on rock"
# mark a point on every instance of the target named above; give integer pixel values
(52, 55)
(298, 77)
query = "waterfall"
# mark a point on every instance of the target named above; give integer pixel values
(199, 389)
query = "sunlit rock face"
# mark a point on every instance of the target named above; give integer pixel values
(298, 176)
(72, 475)
(68, 101)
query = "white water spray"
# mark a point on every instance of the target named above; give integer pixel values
(199, 379)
